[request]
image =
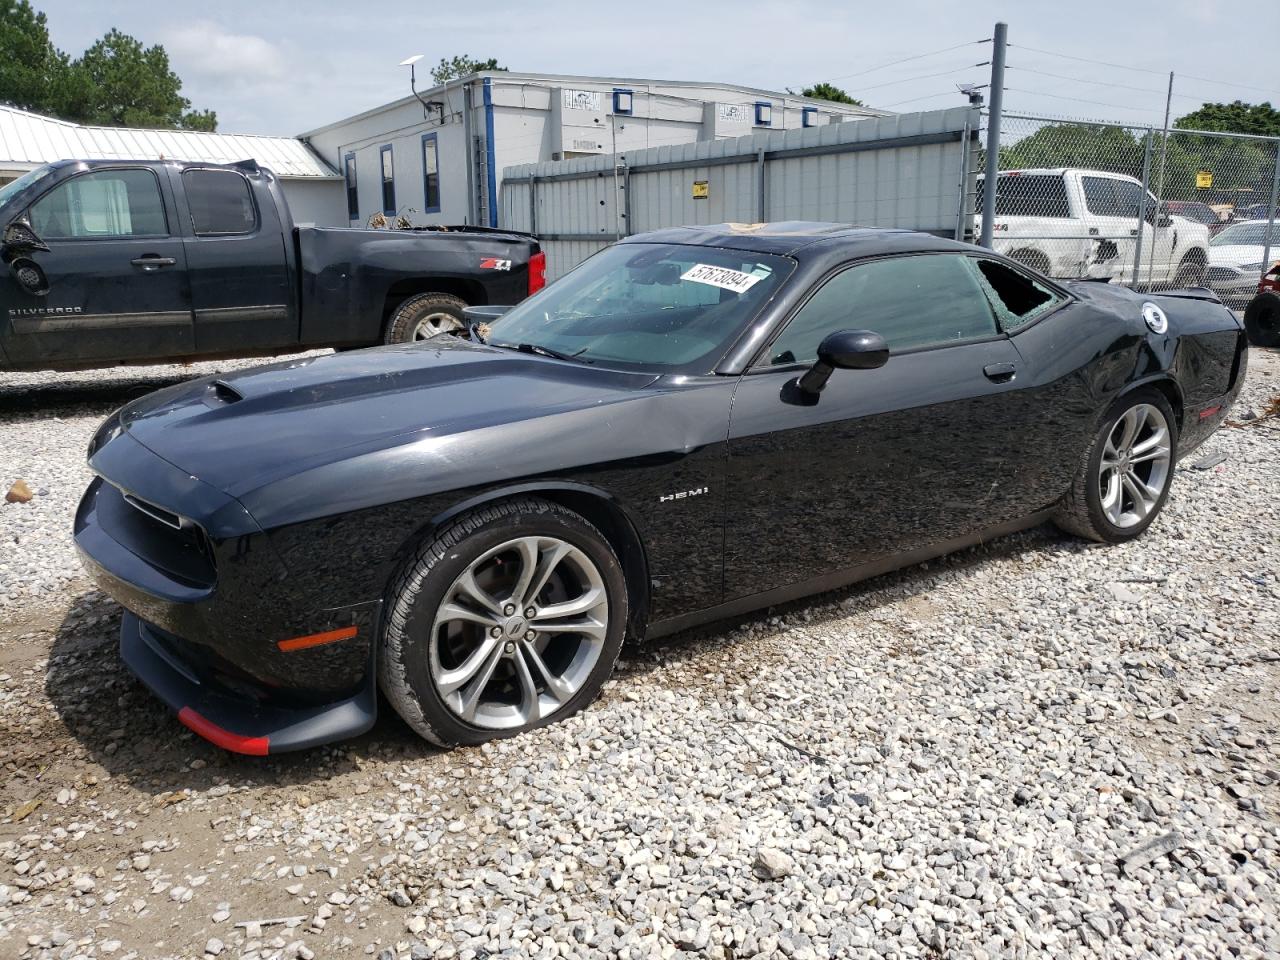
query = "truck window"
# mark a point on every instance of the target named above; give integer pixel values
(1108, 197)
(102, 204)
(1035, 195)
(220, 203)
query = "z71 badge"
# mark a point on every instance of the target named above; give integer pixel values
(494, 263)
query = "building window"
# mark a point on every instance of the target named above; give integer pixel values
(430, 174)
(623, 101)
(764, 113)
(353, 195)
(809, 116)
(388, 182)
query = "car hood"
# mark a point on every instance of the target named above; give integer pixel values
(239, 431)
(1234, 254)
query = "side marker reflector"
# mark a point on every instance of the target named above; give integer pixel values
(254, 746)
(1208, 412)
(316, 639)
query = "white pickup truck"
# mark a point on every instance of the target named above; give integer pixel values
(1075, 223)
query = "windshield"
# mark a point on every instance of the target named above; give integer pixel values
(1246, 234)
(643, 305)
(24, 181)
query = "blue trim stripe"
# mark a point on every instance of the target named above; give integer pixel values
(489, 152)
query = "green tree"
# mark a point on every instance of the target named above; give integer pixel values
(829, 91)
(129, 85)
(1076, 145)
(34, 74)
(463, 66)
(1235, 117)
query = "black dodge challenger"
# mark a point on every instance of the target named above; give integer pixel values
(693, 423)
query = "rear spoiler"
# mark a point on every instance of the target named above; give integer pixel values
(1191, 293)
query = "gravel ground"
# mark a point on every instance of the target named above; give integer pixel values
(1034, 748)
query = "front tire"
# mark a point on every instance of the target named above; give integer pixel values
(1262, 320)
(426, 315)
(510, 618)
(1124, 478)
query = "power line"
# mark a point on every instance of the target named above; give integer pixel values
(1057, 96)
(923, 76)
(1119, 86)
(894, 63)
(927, 96)
(1125, 66)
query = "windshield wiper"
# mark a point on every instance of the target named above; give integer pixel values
(544, 351)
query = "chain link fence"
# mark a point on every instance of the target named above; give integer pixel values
(1130, 205)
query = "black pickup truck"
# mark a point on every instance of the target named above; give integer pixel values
(144, 261)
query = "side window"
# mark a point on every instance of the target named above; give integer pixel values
(105, 204)
(1128, 199)
(1099, 196)
(353, 194)
(388, 181)
(1017, 298)
(1020, 195)
(220, 203)
(430, 174)
(912, 301)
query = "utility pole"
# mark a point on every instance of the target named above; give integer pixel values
(999, 41)
(1164, 156)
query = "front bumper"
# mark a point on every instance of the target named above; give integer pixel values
(1234, 288)
(240, 720)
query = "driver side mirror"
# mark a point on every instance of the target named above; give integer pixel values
(19, 237)
(845, 350)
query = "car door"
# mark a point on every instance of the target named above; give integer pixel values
(1112, 206)
(116, 271)
(918, 452)
(240, 282)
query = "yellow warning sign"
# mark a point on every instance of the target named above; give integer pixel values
(1204, 180)
(701, 190)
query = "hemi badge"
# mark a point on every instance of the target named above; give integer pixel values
(316, 639)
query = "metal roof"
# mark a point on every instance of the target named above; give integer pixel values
(30, 139)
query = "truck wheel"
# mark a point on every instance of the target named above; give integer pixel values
(1262, 320)
(1190, 272)
(425, 315)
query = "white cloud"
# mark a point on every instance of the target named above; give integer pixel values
(206, 49)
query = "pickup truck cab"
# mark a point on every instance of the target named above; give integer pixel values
(1085, 224)
(148, 261)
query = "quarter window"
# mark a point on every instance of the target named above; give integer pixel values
(430, 174)
(220, 203)
(1037, 195)
(104, 204)
(353, 194)
(1017, 298)
(913, 301)
(388, 182)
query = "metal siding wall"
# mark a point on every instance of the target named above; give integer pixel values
(916, 186)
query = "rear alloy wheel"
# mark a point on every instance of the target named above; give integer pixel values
(509, 619)
(424, 316)
(1262, 320)
(1124, 481)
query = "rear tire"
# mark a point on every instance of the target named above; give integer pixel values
(426, 315)
(479, 640)
(1262, 320)
(1124, 477)
(1190, 273)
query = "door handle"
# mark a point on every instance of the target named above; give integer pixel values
(152, 262)
(999, 372)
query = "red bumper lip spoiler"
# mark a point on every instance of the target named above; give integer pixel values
(253, 746)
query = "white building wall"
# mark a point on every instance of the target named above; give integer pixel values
(529, 127)
(319, 202)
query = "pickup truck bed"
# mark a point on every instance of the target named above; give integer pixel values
(149, 261)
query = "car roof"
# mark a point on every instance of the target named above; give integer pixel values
(789, 237)
(248, 166)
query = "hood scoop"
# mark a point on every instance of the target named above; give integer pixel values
(223, 392)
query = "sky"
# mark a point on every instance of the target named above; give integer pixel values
(283, 68)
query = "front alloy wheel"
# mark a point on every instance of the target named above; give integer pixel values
(509, 618)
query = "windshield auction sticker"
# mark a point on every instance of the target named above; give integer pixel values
(721, 277)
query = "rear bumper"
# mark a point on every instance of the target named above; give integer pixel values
(241, 720)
